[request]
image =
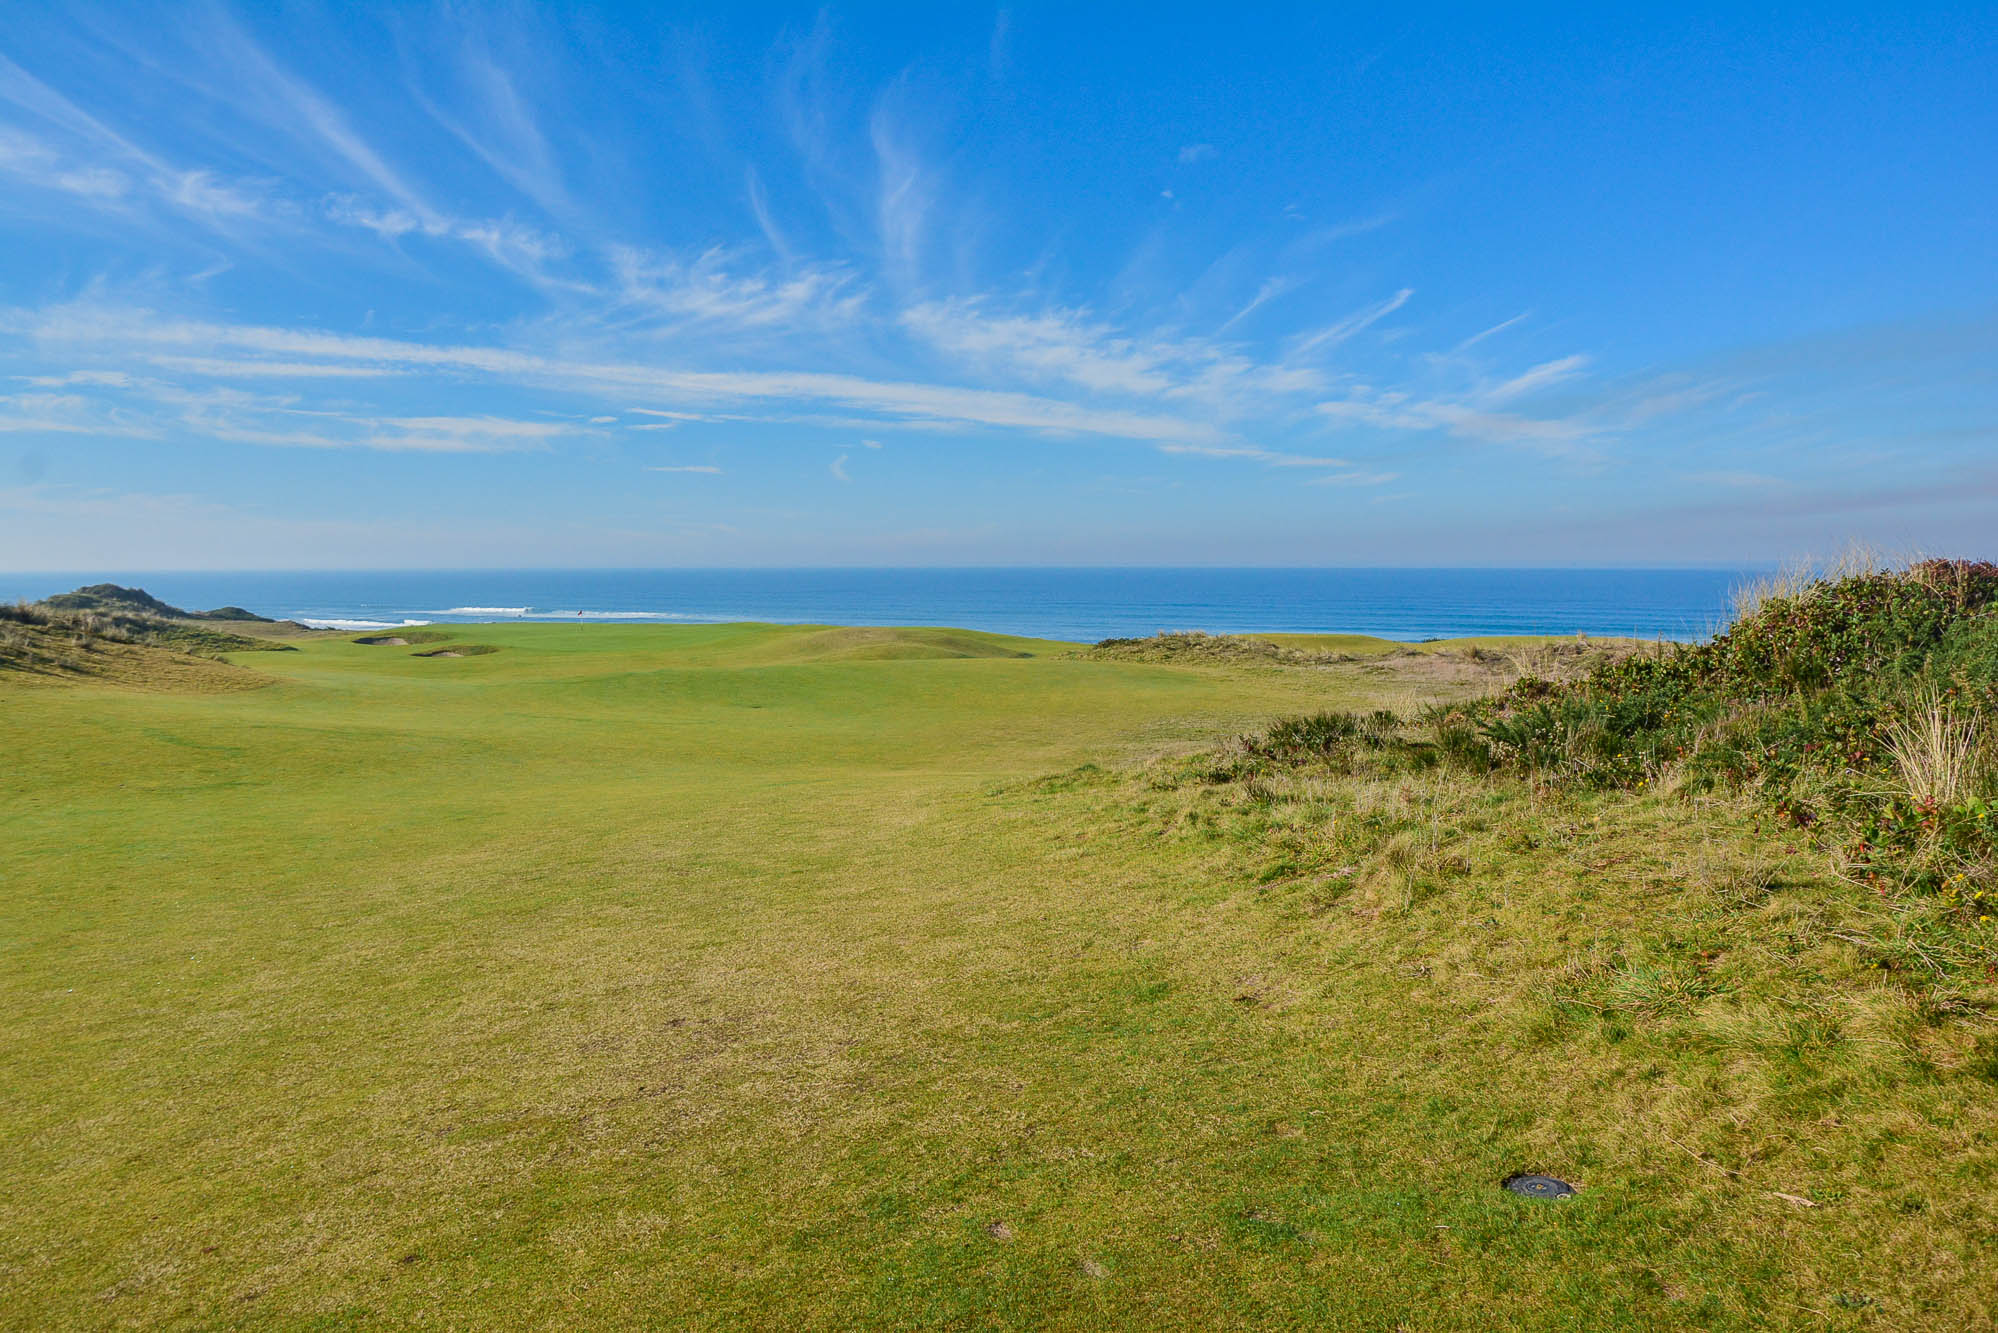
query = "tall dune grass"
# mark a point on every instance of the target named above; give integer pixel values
(1935, 752)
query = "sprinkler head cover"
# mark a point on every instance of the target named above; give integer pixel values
(1539, 1187)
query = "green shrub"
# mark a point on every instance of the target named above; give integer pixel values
(1319, 733)
(1864, 707)
(1855, 702)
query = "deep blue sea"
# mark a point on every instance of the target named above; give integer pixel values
(1076, 604)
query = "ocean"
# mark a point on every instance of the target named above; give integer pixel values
(1075, 604)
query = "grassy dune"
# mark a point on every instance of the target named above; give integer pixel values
(819, 978)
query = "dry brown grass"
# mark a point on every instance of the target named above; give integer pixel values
(39, 646)
(1936, 752)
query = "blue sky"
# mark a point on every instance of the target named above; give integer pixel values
(301, 287)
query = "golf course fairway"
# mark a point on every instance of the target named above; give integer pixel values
(755, 976)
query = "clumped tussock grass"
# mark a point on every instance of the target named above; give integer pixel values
(1936, 752)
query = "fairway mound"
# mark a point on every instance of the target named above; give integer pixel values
(1197, 646)
(896, 644)
(459, 650)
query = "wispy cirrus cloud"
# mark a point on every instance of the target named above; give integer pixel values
(430, 435)
(906, 191)
(108, 170)
(1332, 335)
(1355, 479)
(128, 176)
(245, 368)
(495, 117)
(1545, 375)
(65, 413)
(343, 228)
(1061, 345)
(1579, 424)
(520, 248)
(1271, 289)
(708, 291)
(483, 434)
(142, 333)
(1044, 367)
(742, 332)
(259, 81)
(1276, 458)
(111, 404)
(33, 163)
(1399, 411)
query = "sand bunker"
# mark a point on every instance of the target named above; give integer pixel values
(384, 641)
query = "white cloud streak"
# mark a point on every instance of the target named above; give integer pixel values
(704, 292)
(1067, 345)
(105, 330)
(1332, 335)
(226, 368)
(1274, 458)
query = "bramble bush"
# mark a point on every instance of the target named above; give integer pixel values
(1838, 703)
(1811, 702)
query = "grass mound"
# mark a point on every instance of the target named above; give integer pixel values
(1196, 646)
(115, 599)
(459, 650)
(898, 644)
(401, 638)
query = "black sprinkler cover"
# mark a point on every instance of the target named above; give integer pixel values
(1539, 1187)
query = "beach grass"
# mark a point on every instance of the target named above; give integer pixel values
(753, 976)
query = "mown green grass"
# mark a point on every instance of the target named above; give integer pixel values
(747, 976)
